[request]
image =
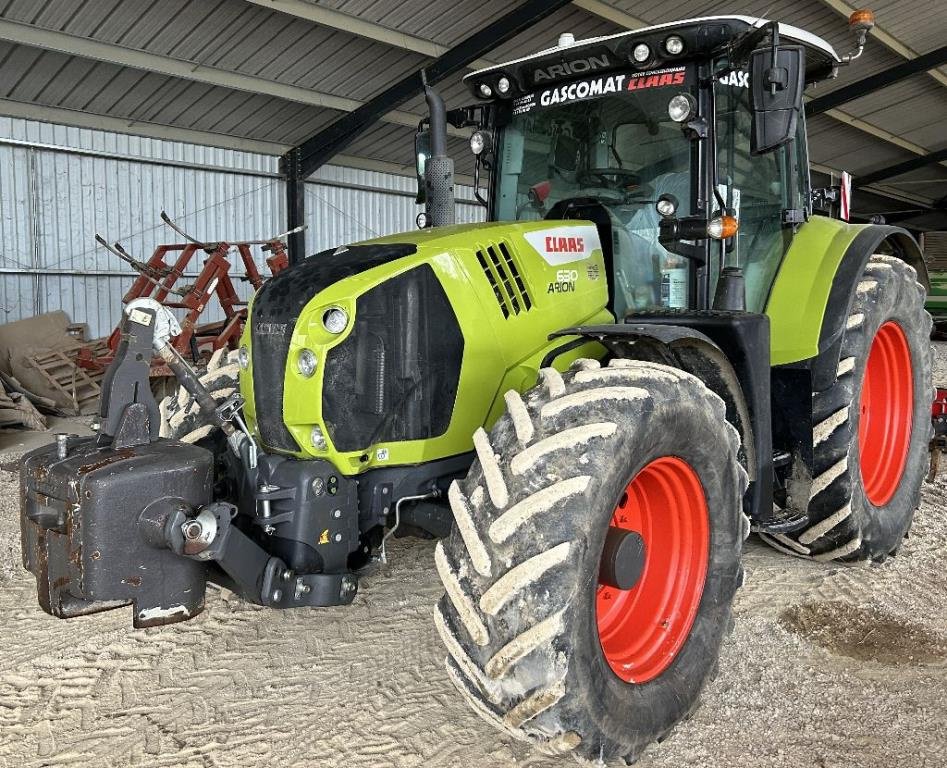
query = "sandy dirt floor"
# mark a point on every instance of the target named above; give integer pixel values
(828, 666)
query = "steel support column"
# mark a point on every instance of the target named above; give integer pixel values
(295, 204)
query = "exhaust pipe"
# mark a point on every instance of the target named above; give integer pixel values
(439, 168)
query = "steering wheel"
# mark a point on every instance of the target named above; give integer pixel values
(611, 178)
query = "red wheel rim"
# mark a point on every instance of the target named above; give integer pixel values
(885, 413)
(642, 629)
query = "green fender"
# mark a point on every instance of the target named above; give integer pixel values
(816, 281)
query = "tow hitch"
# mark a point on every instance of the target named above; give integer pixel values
(127, 518)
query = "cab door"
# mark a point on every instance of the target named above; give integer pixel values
(768, 193)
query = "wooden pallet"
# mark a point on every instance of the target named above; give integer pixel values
(78, 385)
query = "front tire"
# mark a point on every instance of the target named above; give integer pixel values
(535, 643)
(872, 426)
(181, 417)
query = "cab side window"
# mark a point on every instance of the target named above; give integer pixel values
(758, 189)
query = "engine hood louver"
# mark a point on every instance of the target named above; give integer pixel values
(498, 263)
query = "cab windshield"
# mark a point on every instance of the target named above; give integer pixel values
(608, 139)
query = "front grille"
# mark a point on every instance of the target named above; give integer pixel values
(499, 265)
(276, 309)
(395, 376)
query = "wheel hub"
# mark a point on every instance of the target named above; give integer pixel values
(622, 558)
(652, 570)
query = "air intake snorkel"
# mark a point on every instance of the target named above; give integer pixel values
(439, 168)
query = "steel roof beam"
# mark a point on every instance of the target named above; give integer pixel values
(899, 169)
(878, 81)
(71, 45)
(320, 148)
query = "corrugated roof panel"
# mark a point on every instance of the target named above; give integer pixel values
(840, 146)
(175, 98)
(904, 105)
(930, 136)
(416, 17)
(52, 13)
(378, 66)
(545, 33)
(236, 36)
(16, 61)
(913, 23)
(83, 18)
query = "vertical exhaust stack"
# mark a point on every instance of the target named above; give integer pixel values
(439, 169)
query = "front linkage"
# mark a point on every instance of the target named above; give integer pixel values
(127, 518)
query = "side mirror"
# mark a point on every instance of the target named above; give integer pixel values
(777, 80)
(422, 151)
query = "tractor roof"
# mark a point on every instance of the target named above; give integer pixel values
(578, 58)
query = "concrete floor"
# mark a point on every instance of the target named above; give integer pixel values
(829, 666)
(19, 441)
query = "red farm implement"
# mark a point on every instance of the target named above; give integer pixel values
(161, 278)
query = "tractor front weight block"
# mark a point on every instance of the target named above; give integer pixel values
(85, 515)
(103, 528)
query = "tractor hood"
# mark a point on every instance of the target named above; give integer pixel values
(359, 353)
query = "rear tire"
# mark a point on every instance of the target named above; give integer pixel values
(870, 443)
(181, 418)
(522, 618)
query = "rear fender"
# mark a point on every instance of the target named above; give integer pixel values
(812, 294)
(696, 353)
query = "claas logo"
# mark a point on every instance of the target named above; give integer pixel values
(655, 80)
(564, 244)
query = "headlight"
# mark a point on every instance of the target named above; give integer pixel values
(335, 320)
(641, 53)
(306, 362)
(503, 85)
(480, 141)
(318, 439)
(674, 45)
(485, 90)
(681, 107)
(243, 357)
(666, 205)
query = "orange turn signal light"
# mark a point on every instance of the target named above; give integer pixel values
(723, 227)
(862, 19)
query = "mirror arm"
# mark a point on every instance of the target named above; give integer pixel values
(775, 62)
(738, 51)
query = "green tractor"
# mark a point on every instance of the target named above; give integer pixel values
(651, 348)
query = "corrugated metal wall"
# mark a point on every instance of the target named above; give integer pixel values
(60, 186)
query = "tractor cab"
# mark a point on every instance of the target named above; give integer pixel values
(684, 143)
